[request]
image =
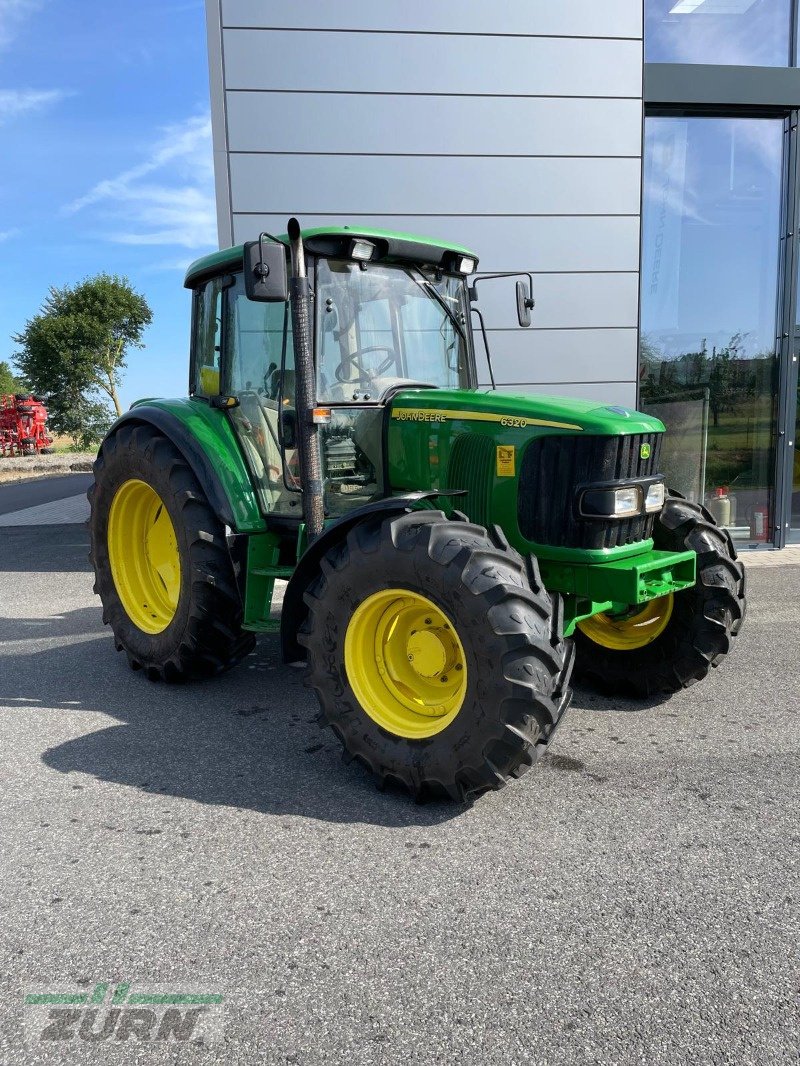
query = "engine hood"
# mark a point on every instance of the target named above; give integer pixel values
(520, 409)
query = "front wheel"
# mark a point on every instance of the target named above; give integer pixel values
(672, 642)
(436, 654)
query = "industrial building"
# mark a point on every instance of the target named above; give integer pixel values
(641, 161)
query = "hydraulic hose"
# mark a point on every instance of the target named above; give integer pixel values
(307, 430)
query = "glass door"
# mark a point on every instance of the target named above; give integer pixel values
(710, 277)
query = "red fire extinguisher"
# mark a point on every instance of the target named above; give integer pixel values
(759, 523)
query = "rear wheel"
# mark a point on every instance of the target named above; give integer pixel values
(672, 642)
(436, 654)
(162, 568)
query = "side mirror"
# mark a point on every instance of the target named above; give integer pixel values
(525, 304)
(265, 276)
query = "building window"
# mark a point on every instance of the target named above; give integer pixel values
(710, 269)
(728, 32)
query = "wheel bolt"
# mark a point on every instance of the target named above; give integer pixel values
(411, 658)
(427, 621)
(459, 666)
(443, 678)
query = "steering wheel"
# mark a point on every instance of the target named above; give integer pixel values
(355, 358)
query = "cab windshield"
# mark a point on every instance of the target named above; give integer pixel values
(381, 326)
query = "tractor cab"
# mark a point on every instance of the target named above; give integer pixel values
(388, 312)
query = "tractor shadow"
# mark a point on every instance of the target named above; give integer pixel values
(586, 699)
(248, 740)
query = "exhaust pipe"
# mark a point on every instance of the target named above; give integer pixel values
(307, 430)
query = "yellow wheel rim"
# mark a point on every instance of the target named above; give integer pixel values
(405, 663)
(629, 632)
(143, 552)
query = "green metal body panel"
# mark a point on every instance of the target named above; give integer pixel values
(424, 424)
(212, 431)
(423, 427)
(591, 588)
(232, 258)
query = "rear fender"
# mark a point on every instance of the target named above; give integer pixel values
(206, 441)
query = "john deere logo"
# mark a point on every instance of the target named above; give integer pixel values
(644, 451)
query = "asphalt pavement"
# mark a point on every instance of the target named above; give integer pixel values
(32, 492)
(634, 899)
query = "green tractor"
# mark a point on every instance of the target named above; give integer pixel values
(450, 552)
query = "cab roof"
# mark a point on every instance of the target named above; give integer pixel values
(333, 241)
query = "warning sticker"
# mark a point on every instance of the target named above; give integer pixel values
(505, 461)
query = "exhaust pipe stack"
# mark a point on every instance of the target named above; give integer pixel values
(307, 429)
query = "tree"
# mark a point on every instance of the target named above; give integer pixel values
(8, 383)
(75, 349)
(722, 378)
(86, 421)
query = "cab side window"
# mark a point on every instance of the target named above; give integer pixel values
(207, 338)
(258, 339)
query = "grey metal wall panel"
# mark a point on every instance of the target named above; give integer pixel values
(559, 355)
(389, 186)
(572, 18)
(480, 129)
(499, 125)
(419, 63)
(563, 301)
(619, 393)
(554, 243)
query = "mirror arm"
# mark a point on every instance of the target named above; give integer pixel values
(473, 288)
(476, 311)
(261, 270)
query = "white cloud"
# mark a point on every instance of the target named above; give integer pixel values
(175, 206)
(7, 234)
(12, 13)
(16, 102)
(169, 266)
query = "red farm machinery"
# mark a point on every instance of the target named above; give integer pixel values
(23, 426)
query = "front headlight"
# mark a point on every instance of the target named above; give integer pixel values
(626, 502)
(654, 500)
(611, 503)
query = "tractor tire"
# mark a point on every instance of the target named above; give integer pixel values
(702, 620)
(172, 602)
(482, 616)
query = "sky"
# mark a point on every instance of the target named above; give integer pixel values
(106, 163)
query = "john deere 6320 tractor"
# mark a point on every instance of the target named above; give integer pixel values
(450, 551)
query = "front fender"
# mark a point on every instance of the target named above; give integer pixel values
(294, 609)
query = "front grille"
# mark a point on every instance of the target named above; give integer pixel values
(553, 467)
(471, 467)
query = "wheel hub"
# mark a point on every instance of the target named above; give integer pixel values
(428, 653)
(405, 663)
(144, 557)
